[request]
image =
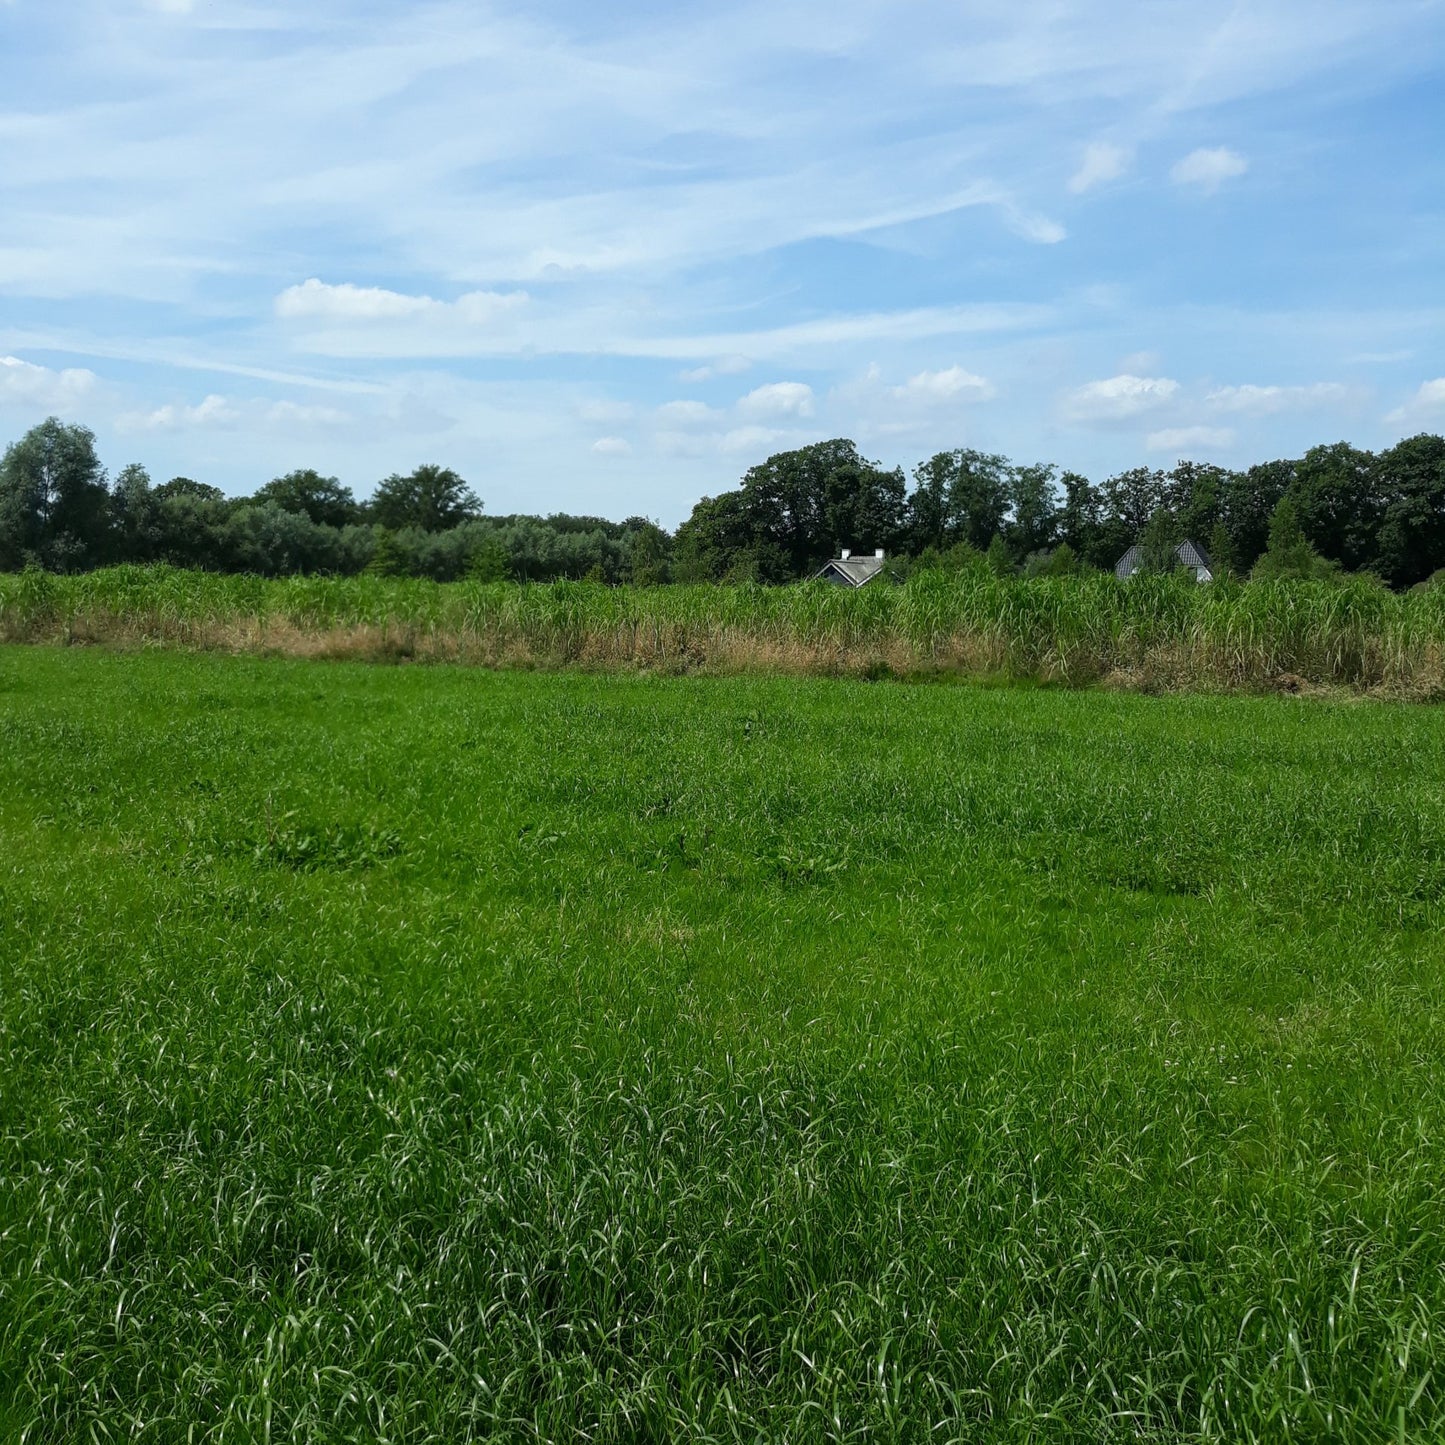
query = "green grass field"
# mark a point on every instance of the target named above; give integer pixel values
(430, 1054)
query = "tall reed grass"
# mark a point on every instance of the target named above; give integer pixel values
(1074, 630)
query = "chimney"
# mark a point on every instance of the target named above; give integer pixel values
(846, 555)
(879, 554)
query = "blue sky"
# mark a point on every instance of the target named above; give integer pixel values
(604, 258)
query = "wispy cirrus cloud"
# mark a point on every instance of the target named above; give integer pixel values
(1271, 400)
(1102, 162)
(477, 218)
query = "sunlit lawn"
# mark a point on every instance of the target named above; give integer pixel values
(428, 1054)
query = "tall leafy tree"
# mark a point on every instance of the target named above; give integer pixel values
(191, 521)
(1411, 539)
(1247, 505)
(1337, 496)
(307, 492)
(1080, 518)
(54, 502)
(135, 520)
(1126, 503)
(926, 517)
(1033, 509)
(1194, 492)
(431, 498)
(1159, 541)
(977, 491)
(791, 513)
(1289, 555)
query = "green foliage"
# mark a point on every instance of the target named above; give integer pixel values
(1033, 509)
(1159, 543)
(999, 557)
(412, 1055)
(323, 499)
(430, 499)
(1411, 540)
(53, 499)
(1221, 552)
(1289, 555)
(1336, 496)
(1382, 514)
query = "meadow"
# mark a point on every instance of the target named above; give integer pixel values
(448, 1054)
(1149, 633)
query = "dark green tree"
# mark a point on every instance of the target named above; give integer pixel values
(1159, 542)
(1248, 503)
(54, 502)
(1126, 503)
(1079, 520)
(1411, 540)
(1337, 496)
(1033, 509)
(135, 516)
(1194, 492)
(190, 519)
(976, 494)
(1290, 555)
(926, 512)
(323, 499)
(1221, 552)
(999, 557)
(647, 552)
(388, 557)
(489, 560)
(791, 514)
(432, 498)
(186, 487)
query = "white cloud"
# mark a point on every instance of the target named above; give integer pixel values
(723, 366)
(953, 384)
(612, 447)
(1181, 439)
(1101, 162)
(172, 7)
(1270, 400)
(1208, 168)
(1117, 398)
(25, 384)
(315, 300)
(1042, 230)
(1428, 401)
(778, 398)
(213, 411)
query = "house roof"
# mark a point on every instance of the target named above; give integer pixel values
(855, 571)
(1190, 554)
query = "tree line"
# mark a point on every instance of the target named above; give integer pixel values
(1337, 508)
